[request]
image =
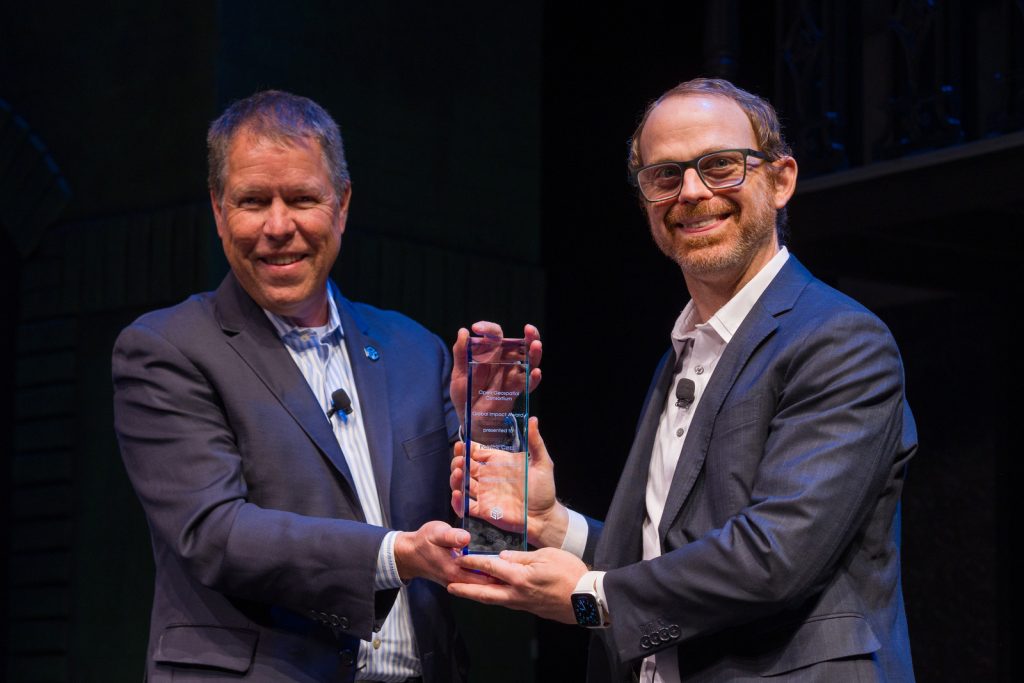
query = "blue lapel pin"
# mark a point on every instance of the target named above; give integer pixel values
(372, 353)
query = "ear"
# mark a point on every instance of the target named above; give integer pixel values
(218, 214)
(785, 180)
(343, 204)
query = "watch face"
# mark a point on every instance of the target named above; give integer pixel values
(587, 611)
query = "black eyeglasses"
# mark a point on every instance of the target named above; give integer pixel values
(717, 170)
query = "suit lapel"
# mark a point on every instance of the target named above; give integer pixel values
(621, 541)
(253, 337)
(759, 324)
(369, 362)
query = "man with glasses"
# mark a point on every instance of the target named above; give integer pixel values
(754, 530)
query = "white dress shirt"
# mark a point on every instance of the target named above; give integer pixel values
(698, 347)
(321, 356)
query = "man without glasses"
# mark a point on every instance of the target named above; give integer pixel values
(275, 519)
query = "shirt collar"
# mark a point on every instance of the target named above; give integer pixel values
(729, 317)
(286, 331)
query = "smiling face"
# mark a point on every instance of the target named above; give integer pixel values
(723, 234)
(280, 222)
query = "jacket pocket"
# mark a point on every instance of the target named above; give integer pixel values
(215, 647)
(427, 444)
(823, 639)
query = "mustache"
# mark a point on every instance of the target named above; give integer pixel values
(681, 212)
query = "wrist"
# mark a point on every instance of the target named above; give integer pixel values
(548, 530)
(404, 549)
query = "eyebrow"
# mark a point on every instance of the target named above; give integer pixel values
(301, 188)
(706, 150)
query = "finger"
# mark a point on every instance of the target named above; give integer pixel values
(485, 328)
(458, 503)
(492, 594)
(459, 348)
(455, 476)
(535, 378)
(455, 482)
(536, 352)
(460, 575)
(491, 565)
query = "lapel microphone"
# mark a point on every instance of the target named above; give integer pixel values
(340, 402)
(684, 393)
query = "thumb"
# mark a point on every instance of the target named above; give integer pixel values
(517, 556)
(446, 536)
(538, 451)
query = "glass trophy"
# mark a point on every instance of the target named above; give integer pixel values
(497, 409)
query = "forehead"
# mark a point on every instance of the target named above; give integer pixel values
(686, 126)
(291, 157)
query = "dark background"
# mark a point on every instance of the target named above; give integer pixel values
(487, 145)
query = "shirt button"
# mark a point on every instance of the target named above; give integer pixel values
(699, 369)
(376, 643)
(679, 432)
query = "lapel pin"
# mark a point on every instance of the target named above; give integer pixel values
(372, 353)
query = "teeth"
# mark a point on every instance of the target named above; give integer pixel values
(282, 260)
(701, 224)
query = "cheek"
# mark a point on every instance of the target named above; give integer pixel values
(656, 215)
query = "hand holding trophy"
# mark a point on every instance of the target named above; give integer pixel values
(491, 384)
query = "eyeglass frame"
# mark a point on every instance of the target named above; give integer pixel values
(694, 164)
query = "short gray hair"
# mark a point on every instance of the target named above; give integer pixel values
(280, 117)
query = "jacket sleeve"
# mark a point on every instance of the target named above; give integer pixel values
(184, 462)
(823, 431)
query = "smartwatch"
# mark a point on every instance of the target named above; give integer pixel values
(588, 609)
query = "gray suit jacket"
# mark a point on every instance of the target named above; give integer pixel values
(264, 565)
(780, 535)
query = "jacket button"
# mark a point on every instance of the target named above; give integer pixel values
(343, 622)
(347, 658)
(334, 620)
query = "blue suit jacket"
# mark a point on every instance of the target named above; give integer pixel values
(264, 565)
(780, 535)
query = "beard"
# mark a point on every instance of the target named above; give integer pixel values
(723, 249)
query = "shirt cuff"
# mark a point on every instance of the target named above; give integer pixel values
(387, 571)
(575, 540)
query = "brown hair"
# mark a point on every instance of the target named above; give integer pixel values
(761, 113)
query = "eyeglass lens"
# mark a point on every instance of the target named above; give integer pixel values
(718, 170)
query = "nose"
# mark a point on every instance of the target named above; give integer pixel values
(693, 189)
(279, 224)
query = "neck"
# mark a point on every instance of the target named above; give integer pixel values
(710, 291)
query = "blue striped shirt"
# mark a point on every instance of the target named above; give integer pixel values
(321, 356)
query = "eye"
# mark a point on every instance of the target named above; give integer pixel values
(661, 176)
(304, 200)
(722, 167)
(666, 172)
(250, 201)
